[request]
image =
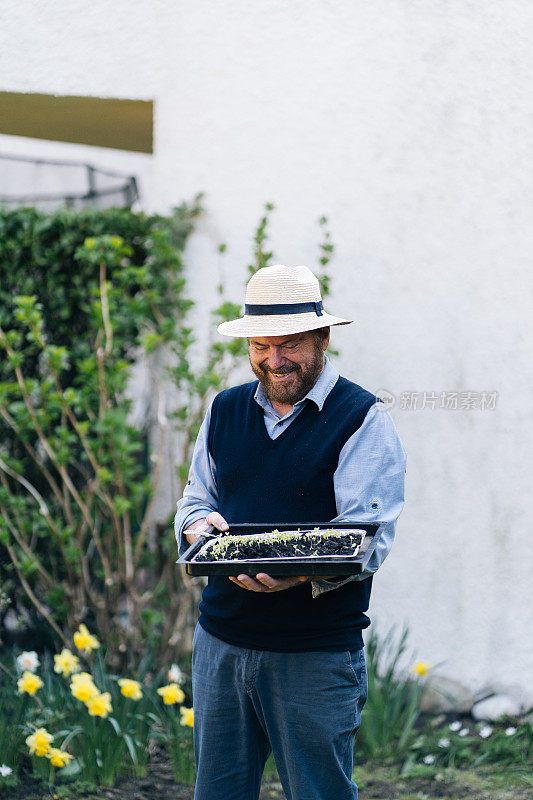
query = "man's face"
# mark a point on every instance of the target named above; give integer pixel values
(288, 366)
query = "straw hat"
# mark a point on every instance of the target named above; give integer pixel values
(281, 300)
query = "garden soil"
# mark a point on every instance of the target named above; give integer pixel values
(377, 784)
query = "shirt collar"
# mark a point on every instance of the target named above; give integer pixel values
(318, 393)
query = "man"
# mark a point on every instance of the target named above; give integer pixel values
(278, 663)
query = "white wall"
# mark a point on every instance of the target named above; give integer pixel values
(407, 123)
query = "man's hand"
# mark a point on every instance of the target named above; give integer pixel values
(214, 518)
(266, 583)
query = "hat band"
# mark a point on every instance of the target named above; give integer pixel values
(283, 308)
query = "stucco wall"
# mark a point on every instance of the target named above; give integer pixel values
(407, 122)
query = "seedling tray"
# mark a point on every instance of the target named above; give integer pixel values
(330, 566)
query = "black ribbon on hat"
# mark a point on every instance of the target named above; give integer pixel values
(283, 308)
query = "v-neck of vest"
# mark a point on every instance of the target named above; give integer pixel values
(284, 434)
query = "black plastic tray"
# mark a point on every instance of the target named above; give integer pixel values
(285, 567)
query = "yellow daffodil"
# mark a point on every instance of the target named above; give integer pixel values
(171, 694)
(130, 688)
(82, 687)
(58, 758)
(84, 640)
(187, 716)
(29, 683)
(100, 705)
(421, 668)
(66, 662)
(39, 742)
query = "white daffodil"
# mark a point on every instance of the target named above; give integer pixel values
(455, 726)
(429, 759)
(510, 731)
(463, 732)
(444, 742)
(5, 770)
(27, 661)
(485, 731)
(175, 675)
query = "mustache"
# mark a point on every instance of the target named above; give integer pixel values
(281, 371)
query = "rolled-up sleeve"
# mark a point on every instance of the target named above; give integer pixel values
(200, 495)
(369, 486)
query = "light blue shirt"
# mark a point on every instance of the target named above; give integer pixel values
(368, 482)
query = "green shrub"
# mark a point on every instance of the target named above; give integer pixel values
(83, 295)
(105, 733)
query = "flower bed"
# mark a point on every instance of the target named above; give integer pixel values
(68, 718)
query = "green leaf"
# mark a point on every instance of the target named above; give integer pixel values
(131, 747)
(5, 535)
(116, 725)
(28, 565)
(122, 505)
(105, 475)
(71, 769)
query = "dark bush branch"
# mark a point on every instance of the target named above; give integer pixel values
(36, 602)
(48, 580)
(33, 455)
(51, 454)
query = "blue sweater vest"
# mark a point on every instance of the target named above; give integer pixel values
(288, 479)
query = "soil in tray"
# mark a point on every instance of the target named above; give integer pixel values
(287, 544)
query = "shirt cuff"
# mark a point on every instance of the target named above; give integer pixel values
(181, 539)
(318, 587)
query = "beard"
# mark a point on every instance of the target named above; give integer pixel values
(303, 378)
